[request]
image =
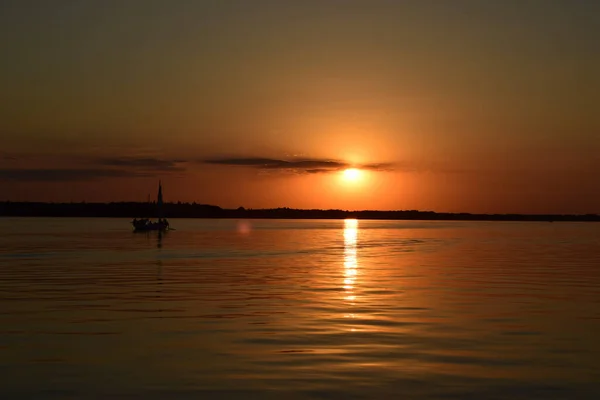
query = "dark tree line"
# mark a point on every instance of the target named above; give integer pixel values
(193, 210)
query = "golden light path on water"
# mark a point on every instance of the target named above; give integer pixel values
(350, 257)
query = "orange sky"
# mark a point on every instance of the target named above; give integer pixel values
(469, 106)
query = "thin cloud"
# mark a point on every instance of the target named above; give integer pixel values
(271, 163)
(7, 157)
(380, 167)
(62, 175)
(82, 168)
(308, 165)
(149, 163)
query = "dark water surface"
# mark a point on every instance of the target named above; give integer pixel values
(299, 309)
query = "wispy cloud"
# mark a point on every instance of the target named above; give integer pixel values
(7, 157)
(62, 175)
(81, 168)
(52, 168)
(307, 165)
(148, 163)
(382, 167)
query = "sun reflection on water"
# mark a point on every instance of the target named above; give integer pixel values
(350, 259)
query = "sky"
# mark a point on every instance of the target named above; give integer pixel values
(450, 106)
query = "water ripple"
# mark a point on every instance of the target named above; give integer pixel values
(301, 309)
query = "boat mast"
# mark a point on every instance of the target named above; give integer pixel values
(159, 200)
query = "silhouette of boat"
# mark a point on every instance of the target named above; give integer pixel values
(146, 225)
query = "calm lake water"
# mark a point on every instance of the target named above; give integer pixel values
(300, 309)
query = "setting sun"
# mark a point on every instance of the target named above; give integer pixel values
(352, 174)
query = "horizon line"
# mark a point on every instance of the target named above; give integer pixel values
(242, 208)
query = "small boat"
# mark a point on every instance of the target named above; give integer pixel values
(146, 225)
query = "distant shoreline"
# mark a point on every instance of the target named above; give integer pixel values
(193, 210)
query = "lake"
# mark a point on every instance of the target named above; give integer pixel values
(326, 309)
